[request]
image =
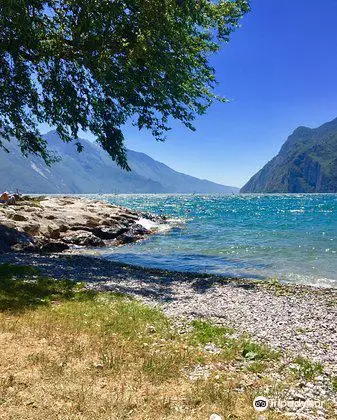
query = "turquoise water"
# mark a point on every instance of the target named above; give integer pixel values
(289, 237)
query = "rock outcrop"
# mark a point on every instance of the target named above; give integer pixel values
(55, 224)
(306, 163)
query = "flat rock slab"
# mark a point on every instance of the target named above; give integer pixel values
(53, 224)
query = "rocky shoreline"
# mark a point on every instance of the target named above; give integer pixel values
(56, 224)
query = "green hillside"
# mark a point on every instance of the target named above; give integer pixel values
(307, 162)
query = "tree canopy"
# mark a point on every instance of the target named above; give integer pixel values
(95, 64)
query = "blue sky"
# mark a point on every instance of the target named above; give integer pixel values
(279, 71)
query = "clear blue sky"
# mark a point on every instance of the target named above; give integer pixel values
(279, 71)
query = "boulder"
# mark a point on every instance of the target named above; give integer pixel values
(18, 217)
(63, 227)
(83, 238)
(10, 238)
(129, 216)
(51, 231)
(50, 217)
(109, 232)
(126, 239)
(92, 221)
(31, 228)
(133, 234)
(138, 230)
(54, 231)
(54, 246)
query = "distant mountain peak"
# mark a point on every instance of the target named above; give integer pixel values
(307, 162)
(93, 171)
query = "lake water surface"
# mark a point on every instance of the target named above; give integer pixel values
(289, 237)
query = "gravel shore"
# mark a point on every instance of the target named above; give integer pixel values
(299, 320)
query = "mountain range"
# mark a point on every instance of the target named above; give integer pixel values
(306, 163)
(93, 171)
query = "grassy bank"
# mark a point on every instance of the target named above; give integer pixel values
(70, 353)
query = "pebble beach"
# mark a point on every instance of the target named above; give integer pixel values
(297, 320)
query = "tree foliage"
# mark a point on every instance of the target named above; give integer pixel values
(95, 64)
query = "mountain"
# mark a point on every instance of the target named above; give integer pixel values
(307, 162)
(93, 171)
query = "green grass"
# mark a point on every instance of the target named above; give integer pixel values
(231, 348)
(331, 303)
(256, 367)
(10, 271)
(204, 332)
(258, 352)
(22, 288)
(306, 369)
(274, 282)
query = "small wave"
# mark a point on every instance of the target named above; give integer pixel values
(177, 221)
(147, 224)
(160, 227)
(295, 278)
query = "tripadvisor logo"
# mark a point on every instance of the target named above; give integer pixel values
(260, 403)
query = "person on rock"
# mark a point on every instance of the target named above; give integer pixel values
(7, 199)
